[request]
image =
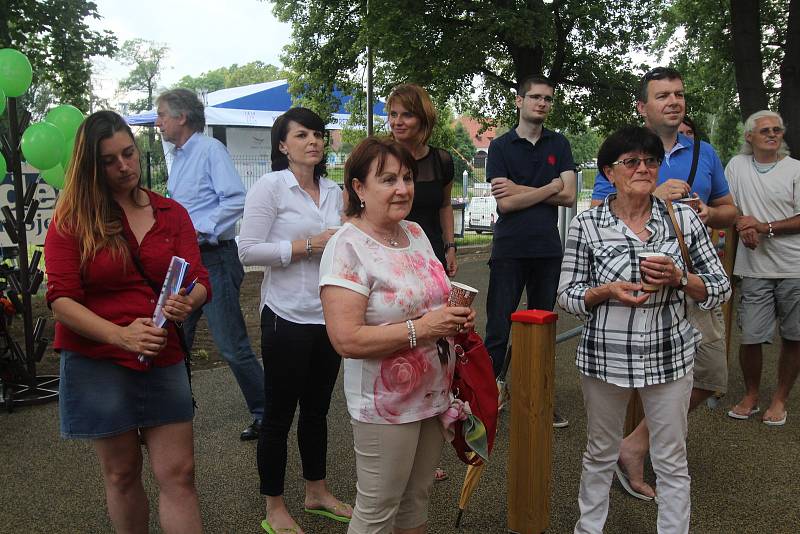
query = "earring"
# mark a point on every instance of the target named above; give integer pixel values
(362, 203)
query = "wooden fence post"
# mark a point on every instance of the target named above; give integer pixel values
(533, 339)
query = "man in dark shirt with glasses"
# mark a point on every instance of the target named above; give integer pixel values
(532, 173)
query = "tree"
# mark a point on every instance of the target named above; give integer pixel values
(233, 76)
(55, 37)
(581, 46)
(146, 58)
(737, 57)
(776, 42)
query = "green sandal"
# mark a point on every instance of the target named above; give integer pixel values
(334, 513)
(284, 530)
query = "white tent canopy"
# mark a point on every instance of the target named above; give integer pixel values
(256, 105)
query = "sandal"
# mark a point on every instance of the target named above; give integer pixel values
(335, 513)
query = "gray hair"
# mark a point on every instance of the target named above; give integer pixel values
(184, 102)
(750, 126)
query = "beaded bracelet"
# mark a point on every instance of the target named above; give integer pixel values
(771, 233)
(412, 334)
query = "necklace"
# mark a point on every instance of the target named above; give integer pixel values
(393, 239)
(763, 168)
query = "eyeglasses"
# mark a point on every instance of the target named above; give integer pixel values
(633, 163)
(539, 98)
(776, 130)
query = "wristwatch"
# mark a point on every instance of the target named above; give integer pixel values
(684, 280)
(448, 246)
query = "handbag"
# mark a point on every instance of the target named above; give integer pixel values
(474, 384)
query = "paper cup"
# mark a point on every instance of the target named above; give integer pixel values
(691, 201)
(461, 295)
(335, 228)
(649, 288)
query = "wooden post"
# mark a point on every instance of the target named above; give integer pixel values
(533, 342)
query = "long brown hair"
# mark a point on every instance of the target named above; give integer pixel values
(85, 207)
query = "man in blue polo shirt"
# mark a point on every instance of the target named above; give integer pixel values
(662, 104)
(532, 173)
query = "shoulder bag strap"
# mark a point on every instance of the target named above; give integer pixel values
(679, 233)
(187, 355)
(695, 161)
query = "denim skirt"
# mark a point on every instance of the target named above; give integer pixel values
(98, 398)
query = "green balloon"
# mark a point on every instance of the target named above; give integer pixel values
(68, 147)
(15, 72)
(2, 100)
(66, 118)
(43, 145)
(54, 176)
(3, 167)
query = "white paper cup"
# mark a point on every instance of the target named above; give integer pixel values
(461, 295)
(646, 287)
(694, 202)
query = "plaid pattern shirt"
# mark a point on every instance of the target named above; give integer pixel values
(653, 343)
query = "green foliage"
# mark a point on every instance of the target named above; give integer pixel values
(462, 149)
(57, 41)
(146, 58)
(233, 76)
(444, 46)
(698, 35)
(585, 142)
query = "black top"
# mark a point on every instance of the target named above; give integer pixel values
(531, 232)
(434, 172)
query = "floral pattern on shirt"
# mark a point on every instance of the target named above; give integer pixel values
(400, 284)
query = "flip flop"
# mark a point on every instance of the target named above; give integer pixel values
(741, 416)
(331, 513)
(623, 479)
(283, 530)
(779, 422)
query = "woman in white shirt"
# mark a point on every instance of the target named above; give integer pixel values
(289, 215)
(384, 295)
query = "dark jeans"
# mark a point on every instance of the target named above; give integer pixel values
(507, 278)
(227, 326)
(300, 365)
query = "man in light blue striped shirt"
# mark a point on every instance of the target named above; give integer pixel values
(203, 179)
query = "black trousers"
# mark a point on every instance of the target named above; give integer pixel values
(300, 366)
(507, 279)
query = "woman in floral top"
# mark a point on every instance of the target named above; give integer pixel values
(384, 296)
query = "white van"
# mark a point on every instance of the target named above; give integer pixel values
(482, 214)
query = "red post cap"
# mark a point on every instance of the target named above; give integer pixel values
(534, 317)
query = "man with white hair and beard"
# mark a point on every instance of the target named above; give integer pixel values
(765, 183)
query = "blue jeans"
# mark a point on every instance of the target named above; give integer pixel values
(227, 326)
(507, 279)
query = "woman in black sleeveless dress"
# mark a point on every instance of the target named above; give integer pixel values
(411, 119)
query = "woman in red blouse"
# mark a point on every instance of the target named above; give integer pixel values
(109, 243)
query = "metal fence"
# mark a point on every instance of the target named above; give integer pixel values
(474, 208)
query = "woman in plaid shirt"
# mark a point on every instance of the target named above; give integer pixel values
(632, 338)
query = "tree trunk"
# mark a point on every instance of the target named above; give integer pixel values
(746, 37)
(790, 80)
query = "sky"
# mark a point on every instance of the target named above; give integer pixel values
(201, 36)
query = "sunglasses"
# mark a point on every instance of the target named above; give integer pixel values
(659, 73)
(633, 163)
(775, 130)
